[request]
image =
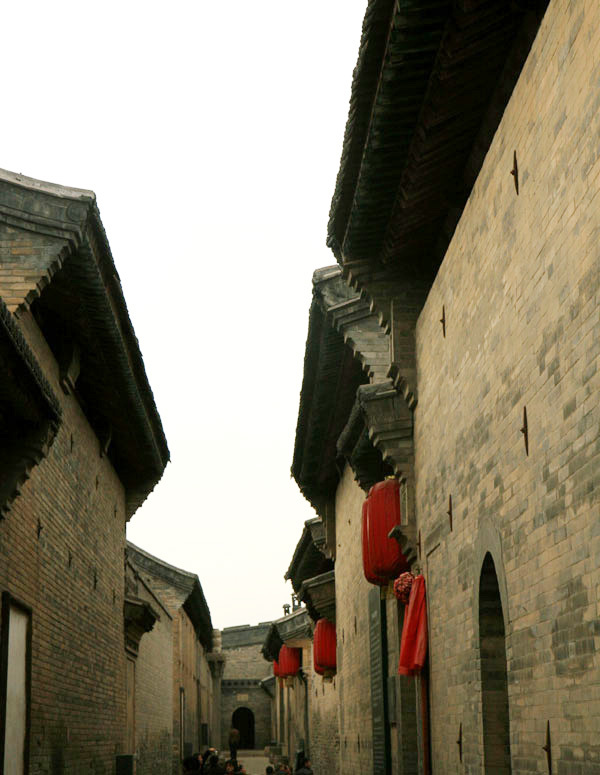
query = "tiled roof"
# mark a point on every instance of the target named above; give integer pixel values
(178, 588)
(430, 86)
(331, 377)
(55, 260)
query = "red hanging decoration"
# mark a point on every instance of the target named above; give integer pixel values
(324, 648)
(402, 587)
(276, 668)
(413, 647)
(289, 661)
(369, 575)
(382, 558)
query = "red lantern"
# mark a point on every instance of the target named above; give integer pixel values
(369, 575)
(324, 648)
(289, 661)
(382, 557)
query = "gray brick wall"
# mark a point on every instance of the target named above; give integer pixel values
(154, 694)
(246, 665)
(521, 289)
(61, 552)
(352, 623)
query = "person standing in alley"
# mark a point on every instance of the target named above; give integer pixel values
(303, 766)
(234, 742)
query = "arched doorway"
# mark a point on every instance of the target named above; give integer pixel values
(494, 684)
(243, 720)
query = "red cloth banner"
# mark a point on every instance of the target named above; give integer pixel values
(413, 647)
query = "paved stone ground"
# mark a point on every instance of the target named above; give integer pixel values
(253, 761)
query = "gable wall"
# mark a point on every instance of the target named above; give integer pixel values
(521, 289)
(78, 664)
(27, 261)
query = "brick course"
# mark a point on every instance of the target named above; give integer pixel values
(521, 289)
(246, 662)
(352, 623)
(72, 577)
(154, 693)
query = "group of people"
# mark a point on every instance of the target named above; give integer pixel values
(209, 763)
(302, 767)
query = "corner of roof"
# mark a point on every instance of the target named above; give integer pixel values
(45, 187)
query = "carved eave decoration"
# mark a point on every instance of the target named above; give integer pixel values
(355, 447)
(309, 556)
(185, 585)
(348, 344)
(139, 618)
(378, 441)
(293, 630)
(216, 662)
(382, 415)
(428, 92)
(331, 377)
(29, 410)
(79, 304)
(319, 595)
(269, 685)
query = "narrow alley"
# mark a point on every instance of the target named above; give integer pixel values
(441, 561)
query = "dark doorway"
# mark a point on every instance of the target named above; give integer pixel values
(494, 684)
(243, 720)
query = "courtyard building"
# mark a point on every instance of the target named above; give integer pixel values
(455, 348)
(246, 688)
(82, 448)
(170, 679)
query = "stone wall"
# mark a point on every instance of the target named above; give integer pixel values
(521, 287)
(61, 552)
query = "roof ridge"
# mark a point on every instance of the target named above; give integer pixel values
(55, 189)
(144, 553)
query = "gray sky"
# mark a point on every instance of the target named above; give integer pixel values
(211, 133)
